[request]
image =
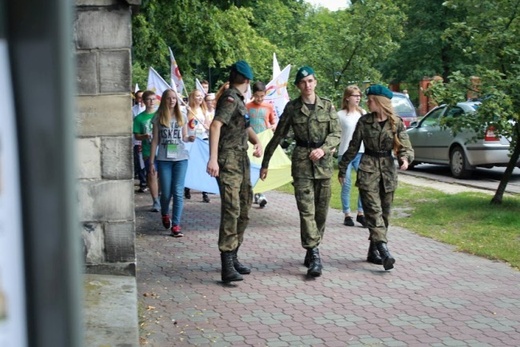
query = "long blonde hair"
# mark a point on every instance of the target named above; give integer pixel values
(164, 111)
(221, 90)
(192, 98)
(386, 107)
(349, 91)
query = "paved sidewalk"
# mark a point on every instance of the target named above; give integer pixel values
(435, 296)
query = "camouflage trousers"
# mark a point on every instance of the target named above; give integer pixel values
(236, 195)
(376, 205)
(312, 199)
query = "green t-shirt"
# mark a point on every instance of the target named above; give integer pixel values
(143, 125)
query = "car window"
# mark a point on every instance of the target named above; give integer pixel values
(402, 105)
(454, 112)
(432, 119)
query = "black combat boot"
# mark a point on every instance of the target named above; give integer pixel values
(373, 255)
(315, 266)
(388, 260)
(307, 260)
(229, 274)
(241, 268)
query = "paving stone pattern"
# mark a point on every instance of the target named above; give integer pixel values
(435, 296)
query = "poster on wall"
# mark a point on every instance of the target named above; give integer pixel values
(13, 322)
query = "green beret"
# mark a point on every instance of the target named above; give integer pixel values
(377, 89)
(303, 72)
(243, 68)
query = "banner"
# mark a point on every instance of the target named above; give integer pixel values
(276, 91)
(198, 179)
(176, 77)
(279, 166)
(156, 83)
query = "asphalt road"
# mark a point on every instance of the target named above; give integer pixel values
(482, 178)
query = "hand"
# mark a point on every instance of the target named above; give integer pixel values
(212, 168)
(316, 154)
(257, 150)
(404, 164)
(341, 180)
(263, 174)
(152, 169)
(191, 138)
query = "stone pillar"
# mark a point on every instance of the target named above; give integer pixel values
(103, 40)
(426, 103)
(423, 99)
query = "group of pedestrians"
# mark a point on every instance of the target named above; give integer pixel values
(368, 142)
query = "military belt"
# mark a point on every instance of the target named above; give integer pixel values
(378, 154)
(309, 144)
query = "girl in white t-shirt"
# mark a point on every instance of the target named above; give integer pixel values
(348, 117)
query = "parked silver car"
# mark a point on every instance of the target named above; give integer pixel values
(436, 144)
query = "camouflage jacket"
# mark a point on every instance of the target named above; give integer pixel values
(231, 111)
(376, 139)
(319, 127)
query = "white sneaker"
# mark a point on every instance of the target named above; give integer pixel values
(262, 201)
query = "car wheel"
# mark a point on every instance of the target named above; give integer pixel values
(458, 163)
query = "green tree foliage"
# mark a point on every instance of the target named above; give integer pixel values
(489, 35)
(202, 36)
(208, 36)
(366, 33)
(422, 52)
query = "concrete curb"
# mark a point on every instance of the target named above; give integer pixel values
(110, 311)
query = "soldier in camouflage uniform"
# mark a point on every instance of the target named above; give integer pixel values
(229, 163)
(316, 129)
(383, 134)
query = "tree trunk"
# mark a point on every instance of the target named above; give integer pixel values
(499, 194)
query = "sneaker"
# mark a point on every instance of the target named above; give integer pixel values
(361, 220)
(205, 197)
(156, 206)
(348, 221)
(143, 190)
(166, 221)
(262, 201)
(187, 193)
(176, 231)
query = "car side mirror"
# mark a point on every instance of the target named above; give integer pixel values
(413, 124)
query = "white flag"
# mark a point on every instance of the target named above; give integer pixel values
(276, 67)
(248, 96)
(199, 86)
(176, 76)
(156, 83)
(276, 91)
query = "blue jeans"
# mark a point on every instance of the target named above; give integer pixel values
(171, 183)
(347, 185)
